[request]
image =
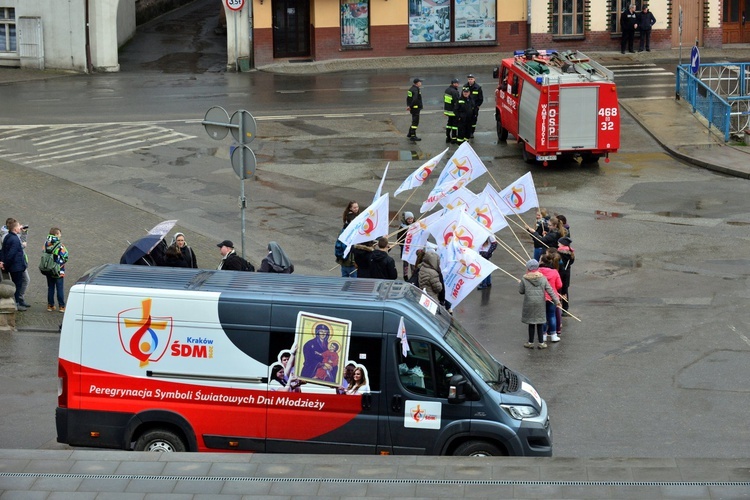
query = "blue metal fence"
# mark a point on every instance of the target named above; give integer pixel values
(719, 93)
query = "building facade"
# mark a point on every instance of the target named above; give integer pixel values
(84, 35)
(81, 35)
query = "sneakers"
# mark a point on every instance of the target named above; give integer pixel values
(21, 307)
(544, 338)
(62, 309)
(555, 337)
(481, 287)
(543, 345)
(51, 308)
(529, 345)
(24, 304)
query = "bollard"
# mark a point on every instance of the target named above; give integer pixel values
(7, 307)
(747, 137)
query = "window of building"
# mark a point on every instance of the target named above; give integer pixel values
(731, 11)
(7, 29)
(446, 21)
(567, 17)
(616, 8)
(355, 23)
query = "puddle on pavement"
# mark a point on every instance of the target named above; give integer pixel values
(602, 214)
(390, 155)
(738, 223)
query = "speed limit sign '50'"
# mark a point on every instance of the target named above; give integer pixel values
(235, 4)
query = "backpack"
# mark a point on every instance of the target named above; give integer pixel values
(48, 265)
(339, 249)
(246, 266)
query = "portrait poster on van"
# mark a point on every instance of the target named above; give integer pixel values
(322, 348)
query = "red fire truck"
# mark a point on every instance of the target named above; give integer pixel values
(558, 105)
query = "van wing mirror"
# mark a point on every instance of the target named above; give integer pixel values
(495, 72)
(457, 389)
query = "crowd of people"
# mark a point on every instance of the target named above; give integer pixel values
(14, 261)
(545, 284)
(461, 108)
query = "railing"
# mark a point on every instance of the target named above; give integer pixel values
(719, 93)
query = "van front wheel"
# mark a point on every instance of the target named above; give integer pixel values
(159, 441)
(478, 449)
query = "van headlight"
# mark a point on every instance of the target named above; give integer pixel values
(519, 412)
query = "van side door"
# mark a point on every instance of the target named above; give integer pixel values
(420, 419)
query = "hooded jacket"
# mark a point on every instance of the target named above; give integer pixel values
(553, 278)
(362, 256)
(382, 265)
(429, 276)
(533, 286)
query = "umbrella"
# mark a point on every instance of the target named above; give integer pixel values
(139, 249)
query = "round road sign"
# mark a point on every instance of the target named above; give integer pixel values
(219, 119)
(695, 60)
(246, 169)
(234, 5)
(248, 125)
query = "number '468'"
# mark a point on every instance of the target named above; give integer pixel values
(607, 111)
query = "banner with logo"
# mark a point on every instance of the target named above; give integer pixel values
(370, 224)
(463, 164)
(458, 224)
(421, 174)
(417, 235)
(519, 196)
(441, 191)
(459, 197)
(485, 211)
(465, 274)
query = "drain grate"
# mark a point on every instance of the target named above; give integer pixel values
(484, 482)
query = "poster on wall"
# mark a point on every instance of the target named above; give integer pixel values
(475, 20)
(355, 23)
(429, 21)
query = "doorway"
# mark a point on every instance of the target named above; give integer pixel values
(291, 28)
(692, 23)
(734, 22)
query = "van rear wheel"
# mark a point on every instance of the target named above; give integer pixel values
(478, 449)
(160, 441)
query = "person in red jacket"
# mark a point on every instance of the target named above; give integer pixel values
(547, 268)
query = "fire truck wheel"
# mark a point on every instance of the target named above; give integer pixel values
(589, 158)
(528, 157)
(502, 133)
(159, 440)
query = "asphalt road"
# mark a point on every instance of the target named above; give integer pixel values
(657, 366)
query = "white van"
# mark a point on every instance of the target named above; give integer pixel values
(169, 359)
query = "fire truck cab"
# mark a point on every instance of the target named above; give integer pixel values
(559, 106)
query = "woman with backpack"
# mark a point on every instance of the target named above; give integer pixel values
(56, 284)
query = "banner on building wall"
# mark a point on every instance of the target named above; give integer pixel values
(355, 23)
(430, 21)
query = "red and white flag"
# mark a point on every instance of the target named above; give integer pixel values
(519, 196)
(417, 235)
(441, 191)
(458, 224)
(465, 274)
(380, 186)
(421, 174)
(370, 224)
(402, 335)
(459, 197)
(485, 211)
(463, 164)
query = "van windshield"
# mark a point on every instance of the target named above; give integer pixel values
(473, 353)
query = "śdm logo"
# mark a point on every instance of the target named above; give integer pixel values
(423, 174)
(463, 235)
(516, 197)
(460, 167)
(418, 414)
(469, 270)
(369, 224)
(146, 338)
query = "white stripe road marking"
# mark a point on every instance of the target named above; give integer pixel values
(655, 86)
(162, 143)
(662, 73)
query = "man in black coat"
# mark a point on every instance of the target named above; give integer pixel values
(645, 22)
(449, 106)
(477, 98)
(414, 106)
(464, 115)
(230, 261)
(628, 25)
(382, 265)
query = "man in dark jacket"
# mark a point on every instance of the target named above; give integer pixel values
(464, 114)
(414, 106)
(230, 261)
(645, 22)
(449, 105)
(477, 98)
(628, 25)
(14, 261)
(362, 258)
(382, 265)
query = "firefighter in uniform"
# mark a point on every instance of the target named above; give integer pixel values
(478, 98)
(464, 115)
(414, 106)
(450, 99)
